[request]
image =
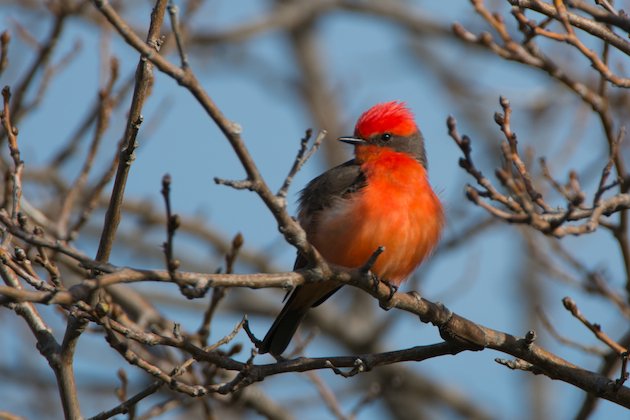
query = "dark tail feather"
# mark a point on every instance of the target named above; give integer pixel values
(301, 300)
(283, 329)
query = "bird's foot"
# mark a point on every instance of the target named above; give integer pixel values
(375, 281)
(388, 303)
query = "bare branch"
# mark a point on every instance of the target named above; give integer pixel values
(303, 155)
(127, 405)
(173, 12)
(572, 307)
(172, 223)
(18, 165)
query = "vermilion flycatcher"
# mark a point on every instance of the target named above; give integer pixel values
(382, 197)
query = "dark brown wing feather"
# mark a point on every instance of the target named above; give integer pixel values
(319, 194)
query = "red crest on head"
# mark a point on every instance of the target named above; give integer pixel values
(388, 117)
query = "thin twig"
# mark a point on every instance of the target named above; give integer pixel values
(614, 151)
(303, 155)
(328, 396)
(72, 144)
(94, 194)
(172, 223)
(555, 334)
(504, 121)
(606, 5)
(596, 329)
(173, 12)
(18, 164)
(127, 405)
(40, 62)
(219, 293)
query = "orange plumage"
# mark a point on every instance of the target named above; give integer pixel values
(396, 209)
(380, 198)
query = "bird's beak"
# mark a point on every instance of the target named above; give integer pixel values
(352, 140)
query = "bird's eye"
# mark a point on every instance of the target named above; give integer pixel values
(386, 137)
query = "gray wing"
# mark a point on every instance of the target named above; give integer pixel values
(338, 182)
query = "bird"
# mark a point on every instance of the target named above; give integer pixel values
(380, 198)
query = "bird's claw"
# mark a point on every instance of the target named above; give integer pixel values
(387, 304)
(392, 290)
(375, 281)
